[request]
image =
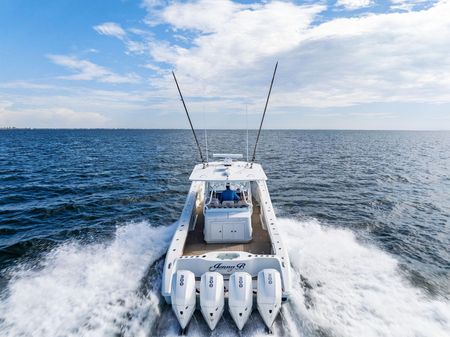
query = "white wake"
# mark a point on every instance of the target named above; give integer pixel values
(347, 289)
(87, 290)
(356, 289)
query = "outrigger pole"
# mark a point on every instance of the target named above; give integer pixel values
(264, 114)
(189, 119)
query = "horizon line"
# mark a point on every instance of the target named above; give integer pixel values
(215, 129)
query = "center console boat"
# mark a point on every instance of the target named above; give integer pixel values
(225, 253)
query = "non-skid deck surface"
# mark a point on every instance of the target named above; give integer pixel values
(260, 244)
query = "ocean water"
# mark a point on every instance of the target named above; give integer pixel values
(86, 216)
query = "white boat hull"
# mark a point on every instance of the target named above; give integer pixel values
(188, 251)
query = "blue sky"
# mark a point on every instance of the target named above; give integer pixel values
(345, 64)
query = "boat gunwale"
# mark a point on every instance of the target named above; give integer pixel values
(187, 217)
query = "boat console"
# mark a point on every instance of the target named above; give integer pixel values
(227, 220)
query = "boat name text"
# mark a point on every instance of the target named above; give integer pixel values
(227, 268)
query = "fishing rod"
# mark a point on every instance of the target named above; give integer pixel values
(189, 119)
(246, 126)
(206, 135)
(264, 114)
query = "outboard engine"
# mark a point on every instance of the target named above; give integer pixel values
(240, 297)
(183, 296)
(212, 298)
(269, 295)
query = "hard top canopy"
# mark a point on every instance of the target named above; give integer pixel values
(228, 171)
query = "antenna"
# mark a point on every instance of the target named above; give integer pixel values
(206, 135)
(246, 125)
(264, 113)
(189, 119)
(206, 145)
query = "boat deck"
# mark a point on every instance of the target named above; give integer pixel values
(260, 244)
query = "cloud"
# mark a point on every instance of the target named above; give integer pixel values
(110, 29)
(230, 40)
(408, 5)
(115, 30)
(354, 4)
(152, 4)
(136, 47)
(216, 15)
(153, 8)
(88, 71)
(154, 68)
(223, 53)
(25, 85)
(50, 117)
(391, 57)
(72, 104)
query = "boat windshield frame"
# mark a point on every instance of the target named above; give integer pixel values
(213, 188)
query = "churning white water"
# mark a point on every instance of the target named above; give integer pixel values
(346, 289)
(355, 289)
(87, 290)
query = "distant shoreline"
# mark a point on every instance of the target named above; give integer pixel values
(184, 129)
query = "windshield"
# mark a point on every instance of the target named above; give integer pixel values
(230, 194)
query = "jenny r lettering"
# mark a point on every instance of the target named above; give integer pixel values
(227, 268)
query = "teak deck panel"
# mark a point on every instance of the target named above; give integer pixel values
(260, 243)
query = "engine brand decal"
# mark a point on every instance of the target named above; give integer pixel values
(227, 268)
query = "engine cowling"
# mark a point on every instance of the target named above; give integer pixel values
(240, 297)
(212, 297)
(183, 296)
(269, 295)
